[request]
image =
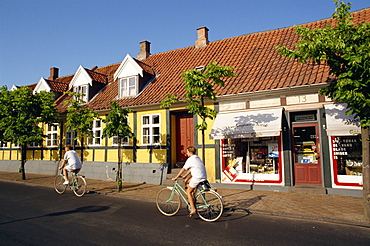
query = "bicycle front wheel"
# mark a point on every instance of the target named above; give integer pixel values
(168, 201)
(79, 186)
(209, 205)
(59, 187)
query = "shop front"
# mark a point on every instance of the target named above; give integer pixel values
(250, 146)
(345, 147)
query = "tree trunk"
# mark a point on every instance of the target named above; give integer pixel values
(366, 170)
(82, 150)
(119, 170)
(203, 148)
(23, 161)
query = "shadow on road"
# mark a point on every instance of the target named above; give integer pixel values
(86, 209)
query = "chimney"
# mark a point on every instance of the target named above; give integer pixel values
(144, 50)
(54, 73)
(202, 40)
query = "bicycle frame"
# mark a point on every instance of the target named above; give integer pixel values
(183, 194)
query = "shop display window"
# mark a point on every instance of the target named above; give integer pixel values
(347, 155)
(251, 155)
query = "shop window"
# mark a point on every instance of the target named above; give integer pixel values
(251, 155)
(347, 155)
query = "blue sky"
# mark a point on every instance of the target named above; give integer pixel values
(38, 34)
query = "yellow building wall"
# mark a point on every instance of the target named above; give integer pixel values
(15, 155)
(99, 155)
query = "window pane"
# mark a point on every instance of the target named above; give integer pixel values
(145, 120)
(155, 119)
(145, 140)
(97, 140)
(97, 123)
(155, 130)
(155, 139)
(132, 81)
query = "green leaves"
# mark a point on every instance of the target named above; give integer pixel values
(345, 48)
(117, 124)
(79, 117)
(21, 112)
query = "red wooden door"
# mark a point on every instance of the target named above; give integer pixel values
(184, 136)
(306, 154)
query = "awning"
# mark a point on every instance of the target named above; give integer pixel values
(338, 123)
(246, 124)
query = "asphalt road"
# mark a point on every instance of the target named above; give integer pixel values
(37, 215)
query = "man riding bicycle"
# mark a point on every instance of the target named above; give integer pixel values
(198, 173)
(74, 163)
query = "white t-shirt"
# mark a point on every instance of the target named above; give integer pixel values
(73, 160)
(198, 171)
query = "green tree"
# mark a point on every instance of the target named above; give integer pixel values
(21, 113)
(199, 86)
(117, 126)
(79, 118)
(345, 48)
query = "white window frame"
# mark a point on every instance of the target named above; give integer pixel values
(3, 145)
(33, 145)
(83, 90)
(96, 133)
(124, 141)
(126, 89)
(151, 129)
(52, 135)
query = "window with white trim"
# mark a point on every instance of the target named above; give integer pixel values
(128, 87)
(151, 129)
(70, 138)
(124, 141)
(52, 135)
(82, 89)
(33, 145)
(95, 133)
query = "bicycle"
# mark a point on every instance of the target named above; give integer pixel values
(77, 184)
(208, 202)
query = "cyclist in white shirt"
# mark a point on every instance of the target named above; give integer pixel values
(72, 161)
(198, 173)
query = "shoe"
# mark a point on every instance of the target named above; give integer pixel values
(66, 182)
(191, 214)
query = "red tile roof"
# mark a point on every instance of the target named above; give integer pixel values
(258, 66)
(57, 86)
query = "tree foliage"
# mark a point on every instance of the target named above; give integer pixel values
(21, 113)
(345, 48)
(79, 118)
(199, 86)
(117, 126)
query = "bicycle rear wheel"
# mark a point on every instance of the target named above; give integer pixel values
(209, 205)
(59, 187)
(168, 201)
(79, 186)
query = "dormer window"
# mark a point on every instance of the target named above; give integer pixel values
(128, 87)
(82, 89)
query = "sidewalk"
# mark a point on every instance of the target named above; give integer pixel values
(330, 208)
